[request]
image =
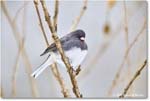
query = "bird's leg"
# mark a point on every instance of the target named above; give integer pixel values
(73, 71)
(76, 72)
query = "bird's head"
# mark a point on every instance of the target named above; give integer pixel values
(80, 34)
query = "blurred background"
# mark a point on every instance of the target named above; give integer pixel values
(111, 28)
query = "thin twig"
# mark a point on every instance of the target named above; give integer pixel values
(15, 69)
(18, 38)
(55, 17)
(60, 80)
(54, 68)
(59, 47)
(19, 10)
(41, 24)
(126, 24)
(133, 79)
(78, 18)
(126, 28)
(20, 47)
(117, 76)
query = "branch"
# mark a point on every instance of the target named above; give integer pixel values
(133, 79)
(117, 76)
(78, 18)
(59, 47)
(47, 16)
(17, 36)
(126, 29)
(60, 80)
(54, 68)
(15, 69)
(41, 24)
(55, 17)
(20, 47)
(19, 10)
(126, 24)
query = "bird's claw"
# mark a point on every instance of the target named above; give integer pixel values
(75, 72)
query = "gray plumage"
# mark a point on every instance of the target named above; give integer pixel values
(74, 47)
(69, 41)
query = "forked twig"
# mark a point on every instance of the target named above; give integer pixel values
(133, 79)
(78, 18)
(117, 76)
(54, 68)
(20, 47)
(40, 21)
(17, 36)
(19, 10)
(59, 47)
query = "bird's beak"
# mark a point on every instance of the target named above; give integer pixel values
(82, 38)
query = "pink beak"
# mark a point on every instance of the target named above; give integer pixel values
(82, 38)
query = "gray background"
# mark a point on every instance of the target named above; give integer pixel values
(94, 80)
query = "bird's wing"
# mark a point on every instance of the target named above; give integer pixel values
(71, 44)
(53, 47)
(50, 48)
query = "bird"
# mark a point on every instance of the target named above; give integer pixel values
(75, 49)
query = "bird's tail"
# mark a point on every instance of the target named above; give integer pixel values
(38, 71)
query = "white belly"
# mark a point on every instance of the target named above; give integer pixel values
(76, 56)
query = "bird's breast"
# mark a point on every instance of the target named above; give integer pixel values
(76, 56)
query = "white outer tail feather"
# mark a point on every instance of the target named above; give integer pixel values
(38, 71)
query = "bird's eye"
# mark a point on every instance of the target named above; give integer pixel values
(82, 38)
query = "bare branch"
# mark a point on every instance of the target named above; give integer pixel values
(117, 76)
(133, 79)
(19, 10)
(78, 18)
(15, 69)
(54, 66)
(41, 24)
(59, 47)
(55, 17)
(20, 47)
(47, 17)
(18, 38)
(126, 24)
(126, 29)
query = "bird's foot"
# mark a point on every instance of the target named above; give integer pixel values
(75, 72)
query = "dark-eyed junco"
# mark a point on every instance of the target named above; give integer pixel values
(74, 47)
